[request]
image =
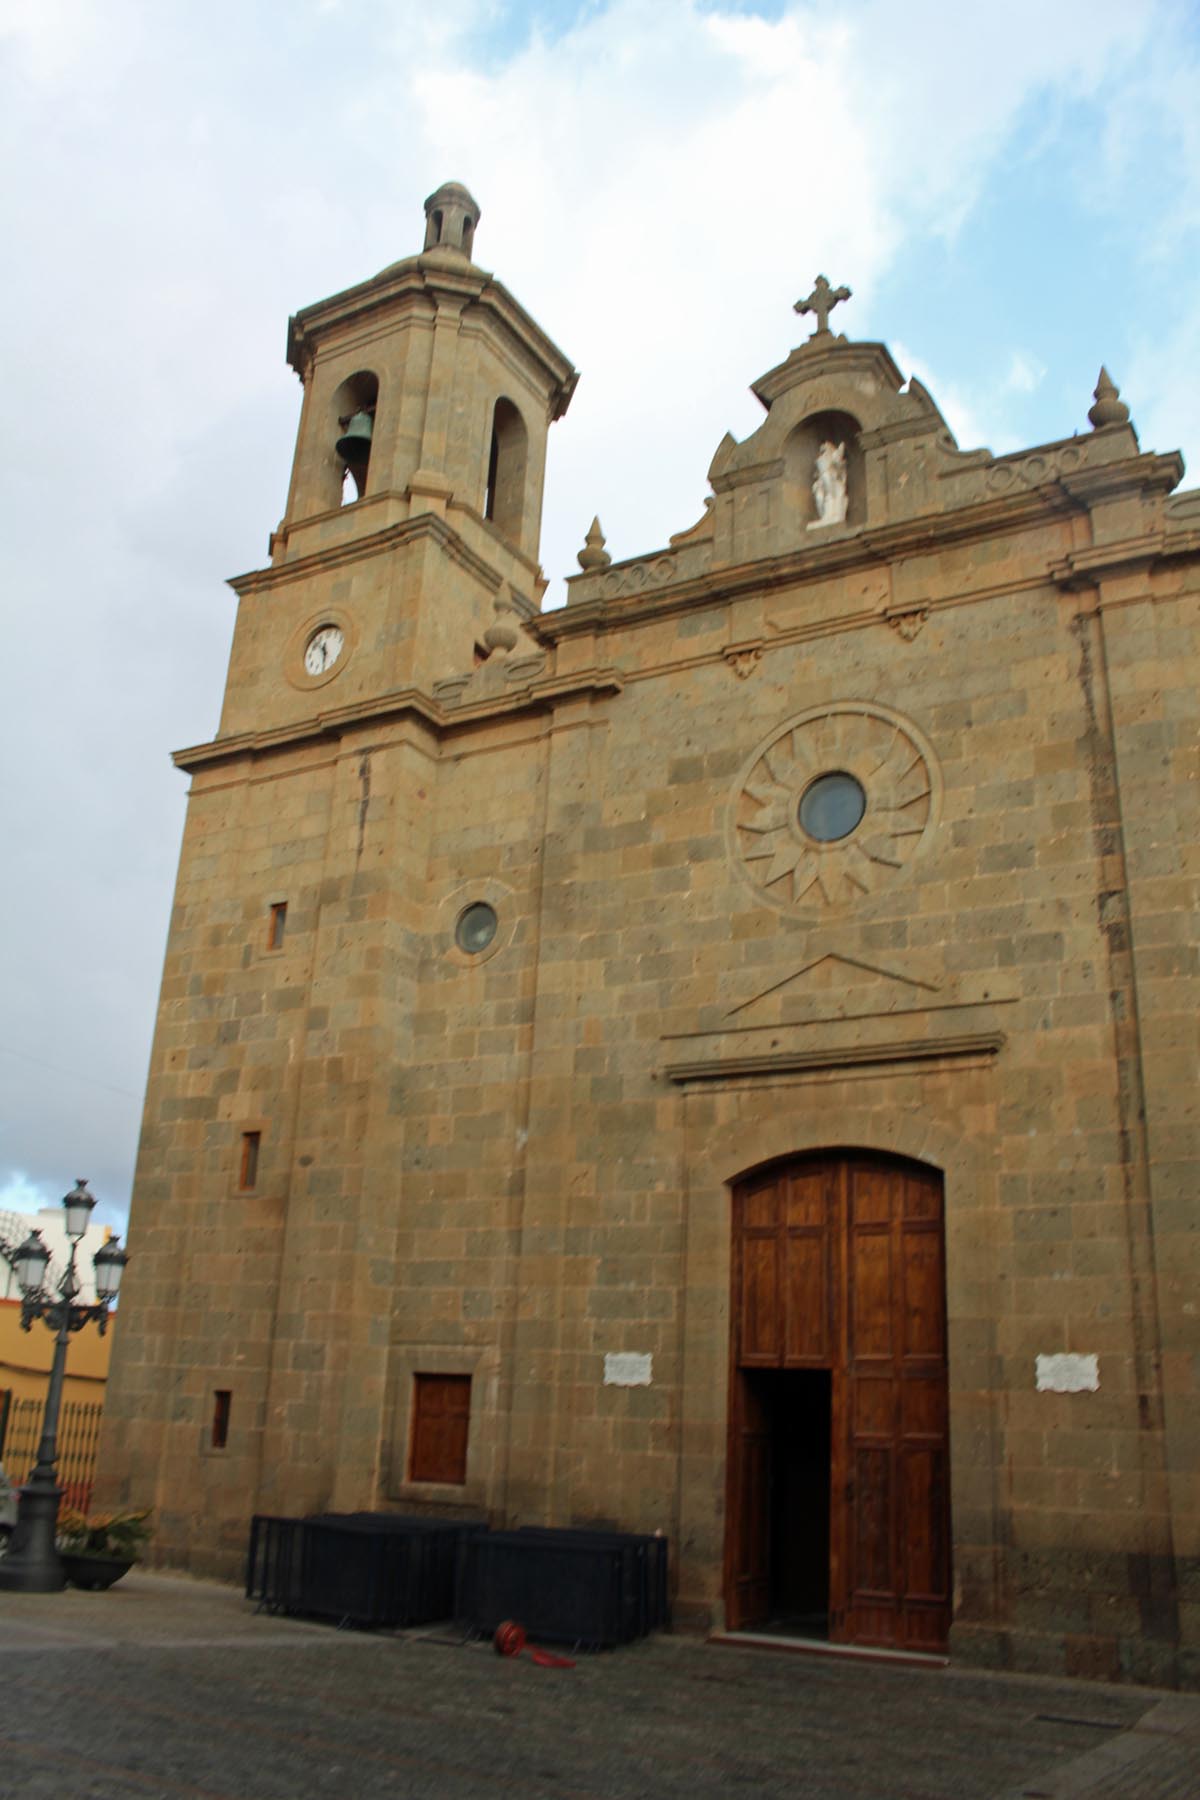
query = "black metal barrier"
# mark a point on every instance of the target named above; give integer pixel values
(587, 1588)
(593, 1589)
(650, 1556)
(380, 1569)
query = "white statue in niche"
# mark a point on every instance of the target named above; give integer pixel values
(829, 486)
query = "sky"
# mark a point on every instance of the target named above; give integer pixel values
(1013, 194)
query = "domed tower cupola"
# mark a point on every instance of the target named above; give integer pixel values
(451, 216)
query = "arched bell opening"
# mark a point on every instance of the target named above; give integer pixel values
(504, 496)
(823, 462)
(354, 408)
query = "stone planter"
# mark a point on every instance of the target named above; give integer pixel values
(94, 1572)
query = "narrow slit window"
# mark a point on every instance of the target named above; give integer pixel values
(276, 925)
(220, 1417)
(251, 1141)
(441, 1419)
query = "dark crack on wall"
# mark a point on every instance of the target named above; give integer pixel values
(364, 781)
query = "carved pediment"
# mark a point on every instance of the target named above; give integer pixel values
(834, 985)
(838, 1009)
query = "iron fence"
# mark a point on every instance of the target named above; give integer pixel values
(78, 1443)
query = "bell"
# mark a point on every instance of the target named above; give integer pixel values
(354, 446)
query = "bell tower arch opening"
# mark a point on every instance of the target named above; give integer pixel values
(504, 496)
(354, 405)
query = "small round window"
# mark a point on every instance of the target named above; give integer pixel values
(831, 806)
(476, 928)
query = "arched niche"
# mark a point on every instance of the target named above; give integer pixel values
(801, 451)
(504, 497)
(358, 395)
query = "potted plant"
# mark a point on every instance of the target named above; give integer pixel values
(97, 1551)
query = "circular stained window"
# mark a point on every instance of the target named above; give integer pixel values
(476, 928)
(832, 806)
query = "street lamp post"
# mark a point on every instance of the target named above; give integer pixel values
(33, 1563)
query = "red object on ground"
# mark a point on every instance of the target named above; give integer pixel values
(509, 1639)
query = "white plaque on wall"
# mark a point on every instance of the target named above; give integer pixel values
(628, 1368)
(1067, 1373)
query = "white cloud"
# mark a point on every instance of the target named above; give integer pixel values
(659, 181)
(956, 408)
(19, 1194)
(1025, 373)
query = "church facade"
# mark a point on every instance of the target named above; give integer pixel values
(719, 1057)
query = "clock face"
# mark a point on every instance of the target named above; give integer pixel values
(324, 647)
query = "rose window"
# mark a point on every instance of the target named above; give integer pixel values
(833, 807)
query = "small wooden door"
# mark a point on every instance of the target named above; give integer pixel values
(441, 1419)
(838, 1264)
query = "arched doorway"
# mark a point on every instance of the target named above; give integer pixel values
(838, 1514)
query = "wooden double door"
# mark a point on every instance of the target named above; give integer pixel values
(838, 1519)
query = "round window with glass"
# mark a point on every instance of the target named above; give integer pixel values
(476, 928)
(832, 806)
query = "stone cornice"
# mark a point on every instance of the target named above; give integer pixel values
(856, 549)
(432, 277)
(357, 549)
(828, 355)
(967, 1045)
(1150, 473)
(538, 696)
(1128, 556)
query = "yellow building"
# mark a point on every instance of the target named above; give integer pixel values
(25, 1359)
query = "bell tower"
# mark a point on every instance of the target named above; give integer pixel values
(272, 1195)
(416, 490)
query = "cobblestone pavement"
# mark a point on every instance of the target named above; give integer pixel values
(172, 1688)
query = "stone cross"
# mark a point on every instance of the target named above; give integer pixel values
(822, 301)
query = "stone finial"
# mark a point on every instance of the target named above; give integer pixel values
(501, 635)
(593, 555)
(451, 216)
(822, 301)
(1109, 409)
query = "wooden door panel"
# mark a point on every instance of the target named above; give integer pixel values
(754, 1548)
(922, 1196)
(807, 1194)
(897, 1575)
(922, 1541)
(761, 1312)
(750, 1498)
(839, 1264)
(871, 1302)
(760, 1206)
(924, 1293)
(807, 1310)
(872, 1502)
(874, 1413)
(923, 1408)
(871, 1195)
